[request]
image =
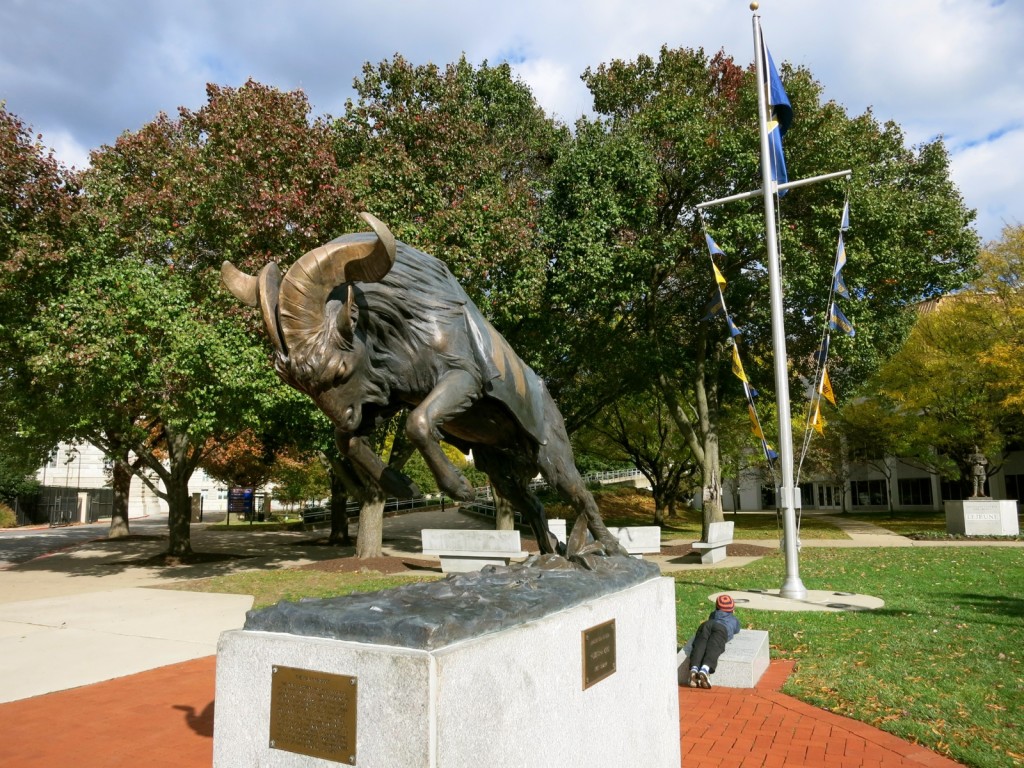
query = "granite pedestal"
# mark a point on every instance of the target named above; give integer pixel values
(516, 696)
(982, 517)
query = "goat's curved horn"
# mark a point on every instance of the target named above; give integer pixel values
(310, 280)
(262, 291)
(241, 285)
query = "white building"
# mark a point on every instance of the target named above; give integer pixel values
(84, 466)
(910, 487)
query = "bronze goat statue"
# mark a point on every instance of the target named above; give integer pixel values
(368, 326)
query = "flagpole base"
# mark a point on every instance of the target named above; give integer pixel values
(793, 589)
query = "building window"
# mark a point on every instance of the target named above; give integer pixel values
(956, 490)
(869, 493)
(916, 491)
(767, 497)
(1014, 487)
(828, 495)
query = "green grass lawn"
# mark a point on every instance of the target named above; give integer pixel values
(927, 524)
(942, 664)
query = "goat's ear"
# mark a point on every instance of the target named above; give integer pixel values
(348, 317)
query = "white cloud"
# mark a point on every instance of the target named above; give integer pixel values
(989, 177)
(67, 149)
(82, 73)
(557, 89)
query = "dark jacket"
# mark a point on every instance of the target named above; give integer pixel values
(727, 620)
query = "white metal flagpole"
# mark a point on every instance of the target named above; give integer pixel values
(792, 587)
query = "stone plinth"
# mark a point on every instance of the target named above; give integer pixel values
(510, 697)
(982, 517)
(741, 665)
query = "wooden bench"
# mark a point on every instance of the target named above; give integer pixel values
(713, 550)
(462, 551)
(639, 540)
(741, 665)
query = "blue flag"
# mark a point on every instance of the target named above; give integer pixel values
(840, 255)
(781, 113)
(836, 319)
(822, 354)
(733, 330)
(845, 224)
(781, 109)
(838, 283)
(839, 286)
(713, 246)
(714, 307)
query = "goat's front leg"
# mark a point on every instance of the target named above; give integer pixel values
(366, 459)
(453, 394)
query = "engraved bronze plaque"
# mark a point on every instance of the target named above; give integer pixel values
(313, 713)
(598, 653)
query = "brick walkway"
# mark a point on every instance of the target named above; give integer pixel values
(733, 727)
(164, 719)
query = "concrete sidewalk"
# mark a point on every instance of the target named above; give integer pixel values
(57, 643)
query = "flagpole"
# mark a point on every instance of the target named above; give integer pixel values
(792, 587)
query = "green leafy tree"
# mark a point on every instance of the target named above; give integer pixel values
(455, 161)
(944, 398)
(640, 430)
(678, 130)
(38, 198)
(140, 341)
(1002, 278)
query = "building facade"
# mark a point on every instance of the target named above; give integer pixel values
(872, 485)
(84, 467)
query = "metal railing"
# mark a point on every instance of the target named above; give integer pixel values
(321, 514)
(483, 504)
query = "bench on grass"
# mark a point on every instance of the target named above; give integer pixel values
(639, 540)
(741, 665)
(462, 551)
(713, 550)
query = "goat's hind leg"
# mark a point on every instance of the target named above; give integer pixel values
(512, 484)
(558, 468)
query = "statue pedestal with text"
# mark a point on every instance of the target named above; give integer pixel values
(475, 670)
(982, 517)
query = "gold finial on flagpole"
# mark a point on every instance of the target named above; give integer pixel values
(755, 5)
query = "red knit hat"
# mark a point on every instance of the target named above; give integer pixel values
(725, 603)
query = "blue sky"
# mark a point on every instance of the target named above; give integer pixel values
(81, 72)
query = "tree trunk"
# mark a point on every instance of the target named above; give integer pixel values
(371, 524)
(179, 503)
(711, 495)
(339, 513)
(504, 514)
(659, 510)
(121, 481)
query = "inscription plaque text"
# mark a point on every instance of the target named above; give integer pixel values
(598, 653)
(313, 713)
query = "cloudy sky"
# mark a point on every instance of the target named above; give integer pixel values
(80, 72)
